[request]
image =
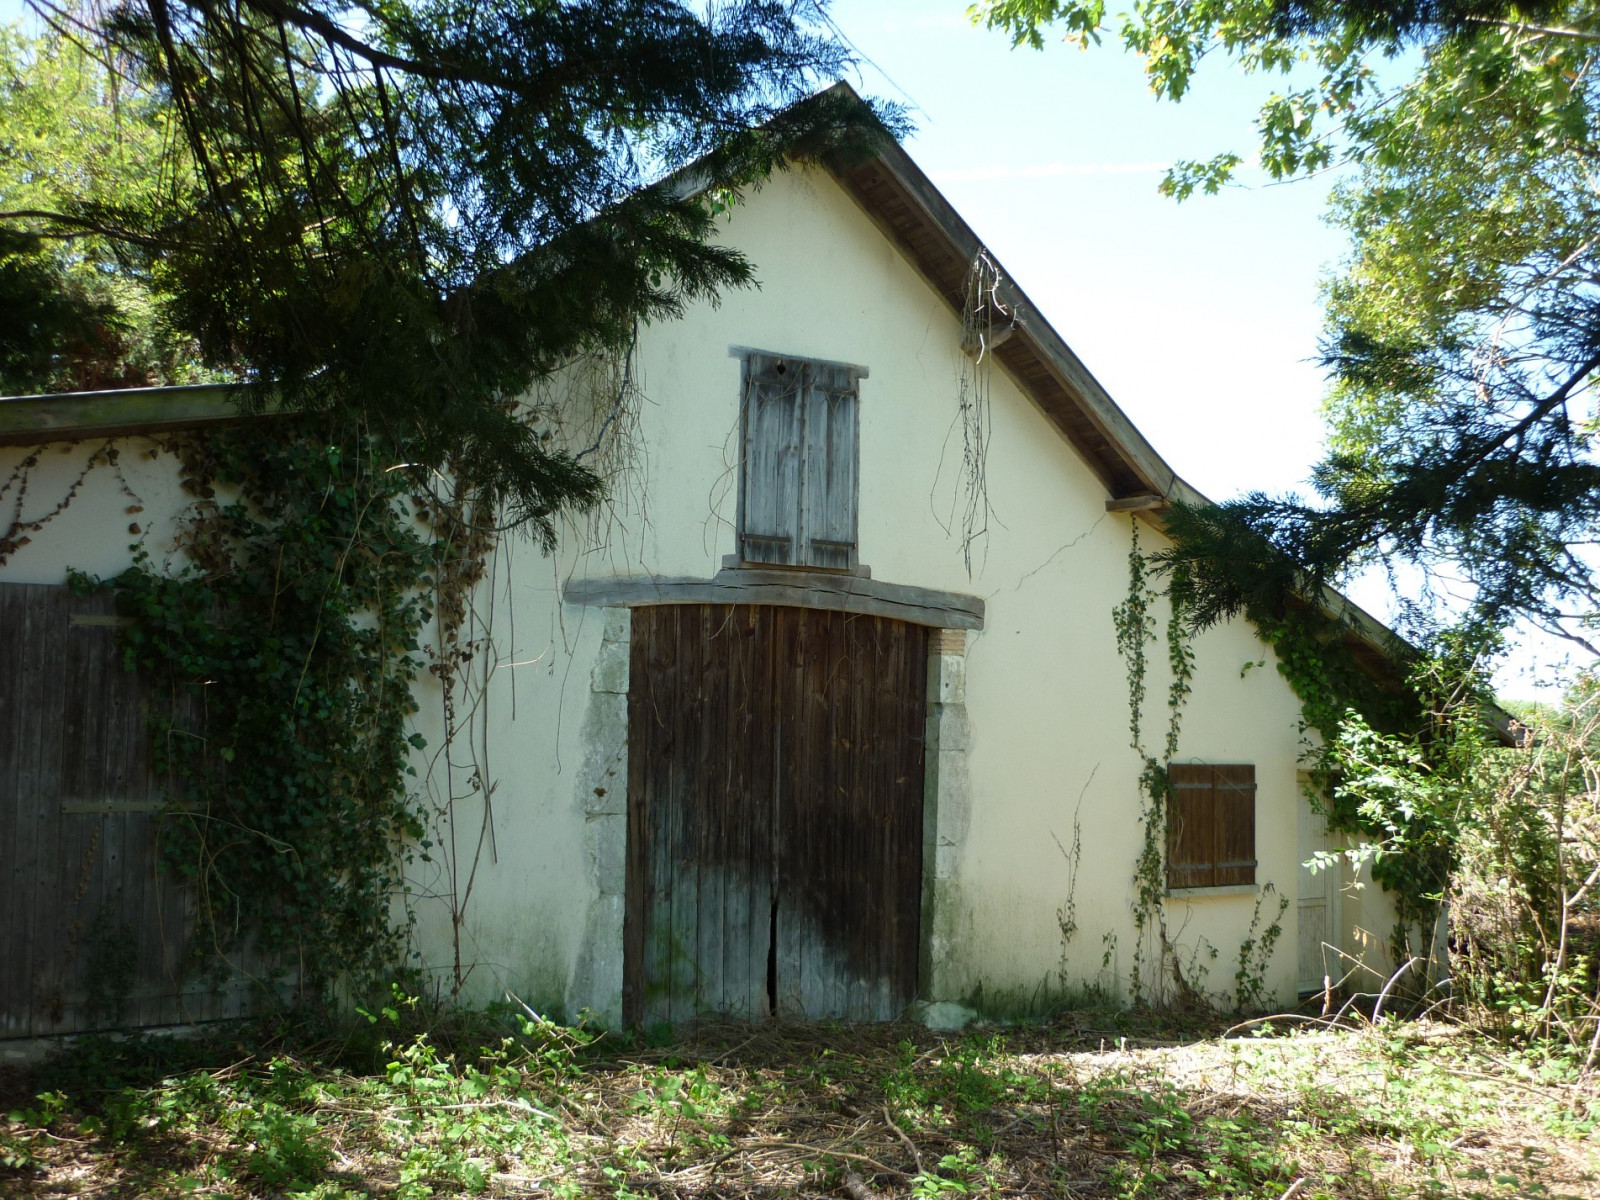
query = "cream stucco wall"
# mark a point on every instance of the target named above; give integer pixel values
(1046, 691)
(115, 503)
(1046, 694)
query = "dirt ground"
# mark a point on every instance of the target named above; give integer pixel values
(1093, 1105)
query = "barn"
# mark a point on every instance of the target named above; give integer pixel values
(821, 716)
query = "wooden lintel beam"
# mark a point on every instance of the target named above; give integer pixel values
(790, 588)
(1140, 503)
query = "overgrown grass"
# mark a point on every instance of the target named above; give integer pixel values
(1097, 1104)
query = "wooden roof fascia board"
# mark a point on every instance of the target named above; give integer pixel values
(1362, 624)
(1019, 357)
(945, 272)
(940, 217)
(74, 416)
(1140, 503)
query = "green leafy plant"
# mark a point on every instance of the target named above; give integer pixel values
(1255, 952)
(1513, 836)
(1135, 623)
(284, 1148)
(285, 655)
(948, 1180)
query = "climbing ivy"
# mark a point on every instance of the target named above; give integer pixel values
(284, 655)
(1255, 953)
(1334, 689)
(1135, 623)
(1224, 574)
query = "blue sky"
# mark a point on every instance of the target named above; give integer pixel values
(1200, 318)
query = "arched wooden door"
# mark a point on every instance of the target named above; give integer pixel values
(775, 776)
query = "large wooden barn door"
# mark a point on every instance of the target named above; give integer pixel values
(775, 813)
(700, 814)
(92, 935)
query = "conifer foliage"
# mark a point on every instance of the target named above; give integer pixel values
(411, 210)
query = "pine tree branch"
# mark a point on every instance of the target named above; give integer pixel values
(335, 35)
(84, 227)
(1538, 413)
(550, 80)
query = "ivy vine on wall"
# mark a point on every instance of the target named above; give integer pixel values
(1157, 960)
(1135, 622)
(285, 654)
(1321, 656)
(1334, 690)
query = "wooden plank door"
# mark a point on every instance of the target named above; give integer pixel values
(93, 935)
(700, 813)
(851, 728)
(775, 813)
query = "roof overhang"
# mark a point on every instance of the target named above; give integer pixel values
(904, 203)
(74, 416)
(911, 212)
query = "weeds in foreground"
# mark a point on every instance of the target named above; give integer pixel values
(1093, 1105)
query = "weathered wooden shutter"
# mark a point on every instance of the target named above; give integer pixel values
(773, 437)
(1191, 827)
(1211, 825)
(1236, 823)
(828, 498)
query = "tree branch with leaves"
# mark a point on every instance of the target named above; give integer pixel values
(1462, 338)
(413, 210)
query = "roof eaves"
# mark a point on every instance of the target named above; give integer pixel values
(73, 416)
(895, 194)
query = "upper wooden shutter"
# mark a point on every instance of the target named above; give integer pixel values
(773, 422)
(799, 480)
(1211, 825)
(828, 498)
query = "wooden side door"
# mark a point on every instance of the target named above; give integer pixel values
(1317, 906)
(775, 813)
(93, 935)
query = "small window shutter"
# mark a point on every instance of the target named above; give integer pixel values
(772, 457)
(1211, 825)
(1236, 824)
(828, 501)
(1191, 827)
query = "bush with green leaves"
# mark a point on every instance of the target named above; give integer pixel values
(285, 654)
(1504, 839)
